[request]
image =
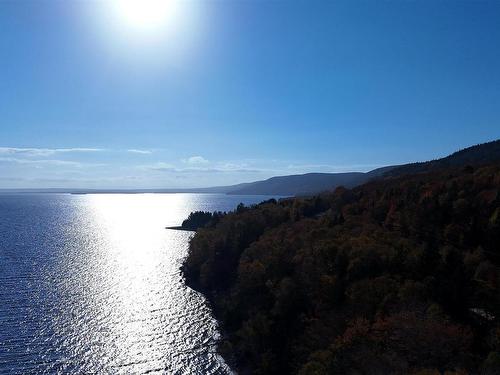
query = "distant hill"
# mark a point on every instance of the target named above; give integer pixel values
(313, 183)
(304, 184)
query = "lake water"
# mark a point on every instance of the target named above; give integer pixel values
(91, 284)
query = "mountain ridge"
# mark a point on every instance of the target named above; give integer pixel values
(313, 183)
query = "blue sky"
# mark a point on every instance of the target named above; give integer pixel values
(241, 90)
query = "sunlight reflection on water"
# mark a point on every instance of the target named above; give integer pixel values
(91, 284)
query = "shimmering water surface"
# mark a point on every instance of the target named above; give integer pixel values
(91, 284)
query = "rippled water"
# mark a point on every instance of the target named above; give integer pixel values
(91, 284)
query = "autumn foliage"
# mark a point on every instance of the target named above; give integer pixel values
(400, 275)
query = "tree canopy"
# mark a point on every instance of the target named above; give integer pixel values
(400, 275)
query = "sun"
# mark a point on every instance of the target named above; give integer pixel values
(147, 16)
(149, 33)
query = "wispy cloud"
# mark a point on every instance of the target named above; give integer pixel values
(219, 168)
(160, 166)
(195, 160)
(54, 162)
(137, 151)
(29, 151)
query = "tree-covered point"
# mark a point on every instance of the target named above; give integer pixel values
(398, 276)
(199, 219)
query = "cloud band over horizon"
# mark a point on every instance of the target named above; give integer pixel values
(82, 167)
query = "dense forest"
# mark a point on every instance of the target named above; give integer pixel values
(400, 275)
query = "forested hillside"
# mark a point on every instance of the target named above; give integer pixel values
(400, 275)
(475, 155)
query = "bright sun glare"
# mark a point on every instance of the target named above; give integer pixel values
(150, 32)
(147, 15)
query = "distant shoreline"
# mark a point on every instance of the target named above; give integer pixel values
(6, 191)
